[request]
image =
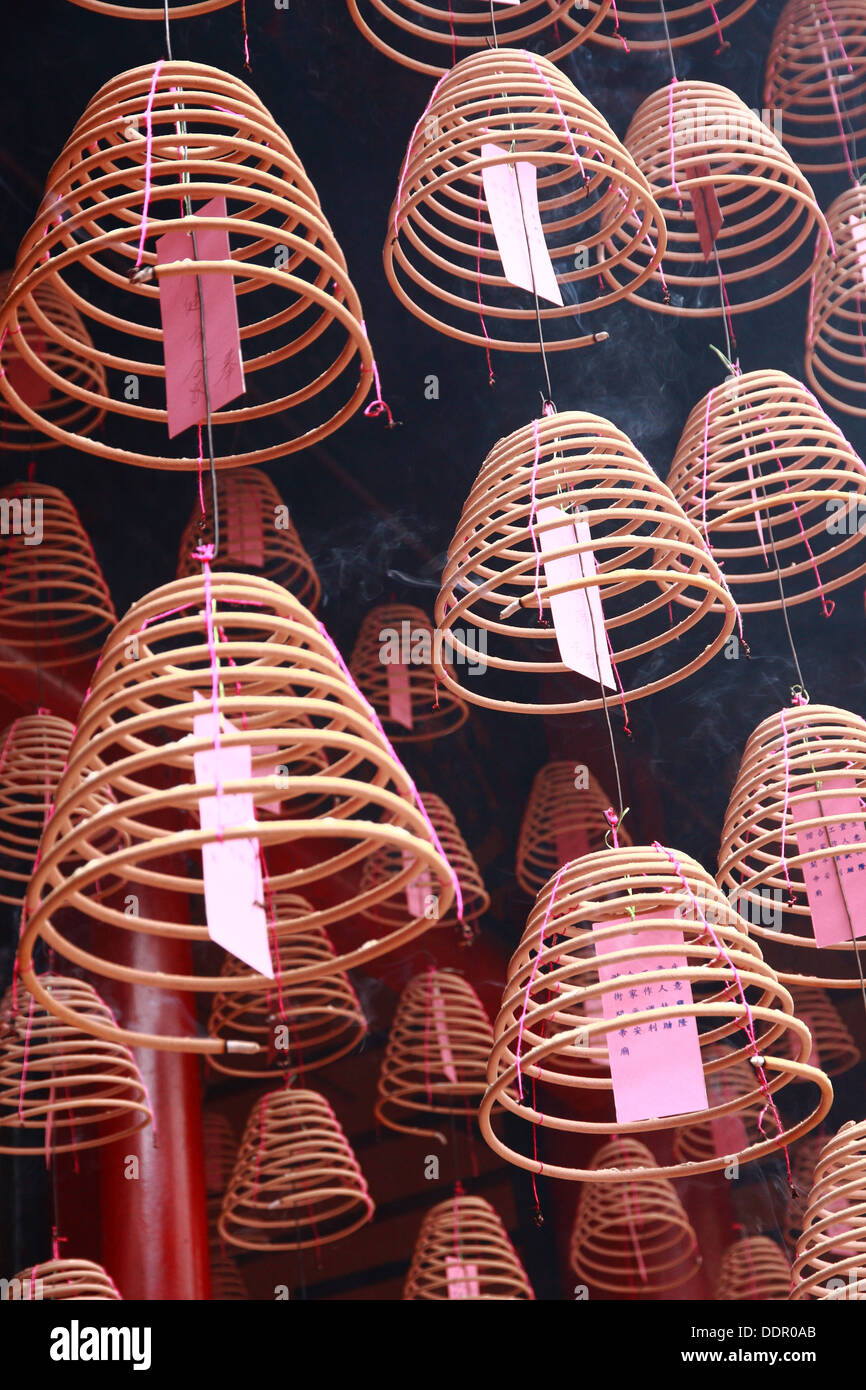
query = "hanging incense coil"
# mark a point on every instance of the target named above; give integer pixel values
(696, 1143)
(760, 860)
(55, 607)
(835, 1049)
(436, 1059)
(389, 861)
(754, 1269)
(62, 1090)
(69, 365)
(393, 663)
(496, 599)
(633, 1237)
(596, 210)
(153, 142)
(698, 144)
(831, 1251)
(417, 34)
(300, 1026)
(463, 1251)
(640, 25)
(835, 333)
(220, 1151)
(816, 82)
(33, 754)
(226, 1284)
(256, 535)
(296, 1183)
(772, 484)
(545, 1026)
(275, 667)
(564, 819)
(81, 1281)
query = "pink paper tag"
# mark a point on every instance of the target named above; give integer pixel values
(571, 844)
(439, 1023)
(511, 191)
(399, 693)
(245, 536)
(419, 889)
(462, 1279)
(181, 326)
(233, 890)
(655, 1068)
(835, 887)
(858, 235)
(577, 615)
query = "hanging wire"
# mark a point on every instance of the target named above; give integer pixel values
(668, 41)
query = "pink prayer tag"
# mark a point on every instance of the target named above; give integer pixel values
(32, 388)
(245, 535)
(858, 235)
(233, 889)
(577, 614)
(655, 1067)
(419, 889)
(182, 328)
(511, 191)
(462, 1279)
(835, 886)
(571, 844)
(438, 1011)
(399, 693)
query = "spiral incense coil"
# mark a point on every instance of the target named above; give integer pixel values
(74, 365)
(641, 24)
(55, 607)
(549, 1020)
(388, 862)
(633, 1237)
(256, 534)
(831, 1251)
(835, 333)
(33, 754)
(597, 213)
(643, 559)
(774, 795)
(695, 1143)
(697, 144)
(62, 1090)
(835, 1048)
(463, 1251)
(220, 1151)
(564, 818)
(299, 1026)
(816, 81)
(393, 663)
(82, 1281)
(153, 150)
(772, 484)
(415, 34)
(273, 667)
(436, 1058)
(754, 1270)
(296, 1183)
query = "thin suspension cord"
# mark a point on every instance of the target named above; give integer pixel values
(668, 41)
(168, 52)
(493, 25)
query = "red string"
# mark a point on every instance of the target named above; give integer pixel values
(378, 406)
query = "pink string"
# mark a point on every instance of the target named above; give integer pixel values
(246, 36)
(200, 463)
(403, 172)
(749, 1021)
(828, 605)
(427, 1023)
(529, 983)
(533, 507)
(555, 99)
(723, 42)
(837, 36)
(458, 893)
(378, 406)
(148, 161)
(620, 36)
